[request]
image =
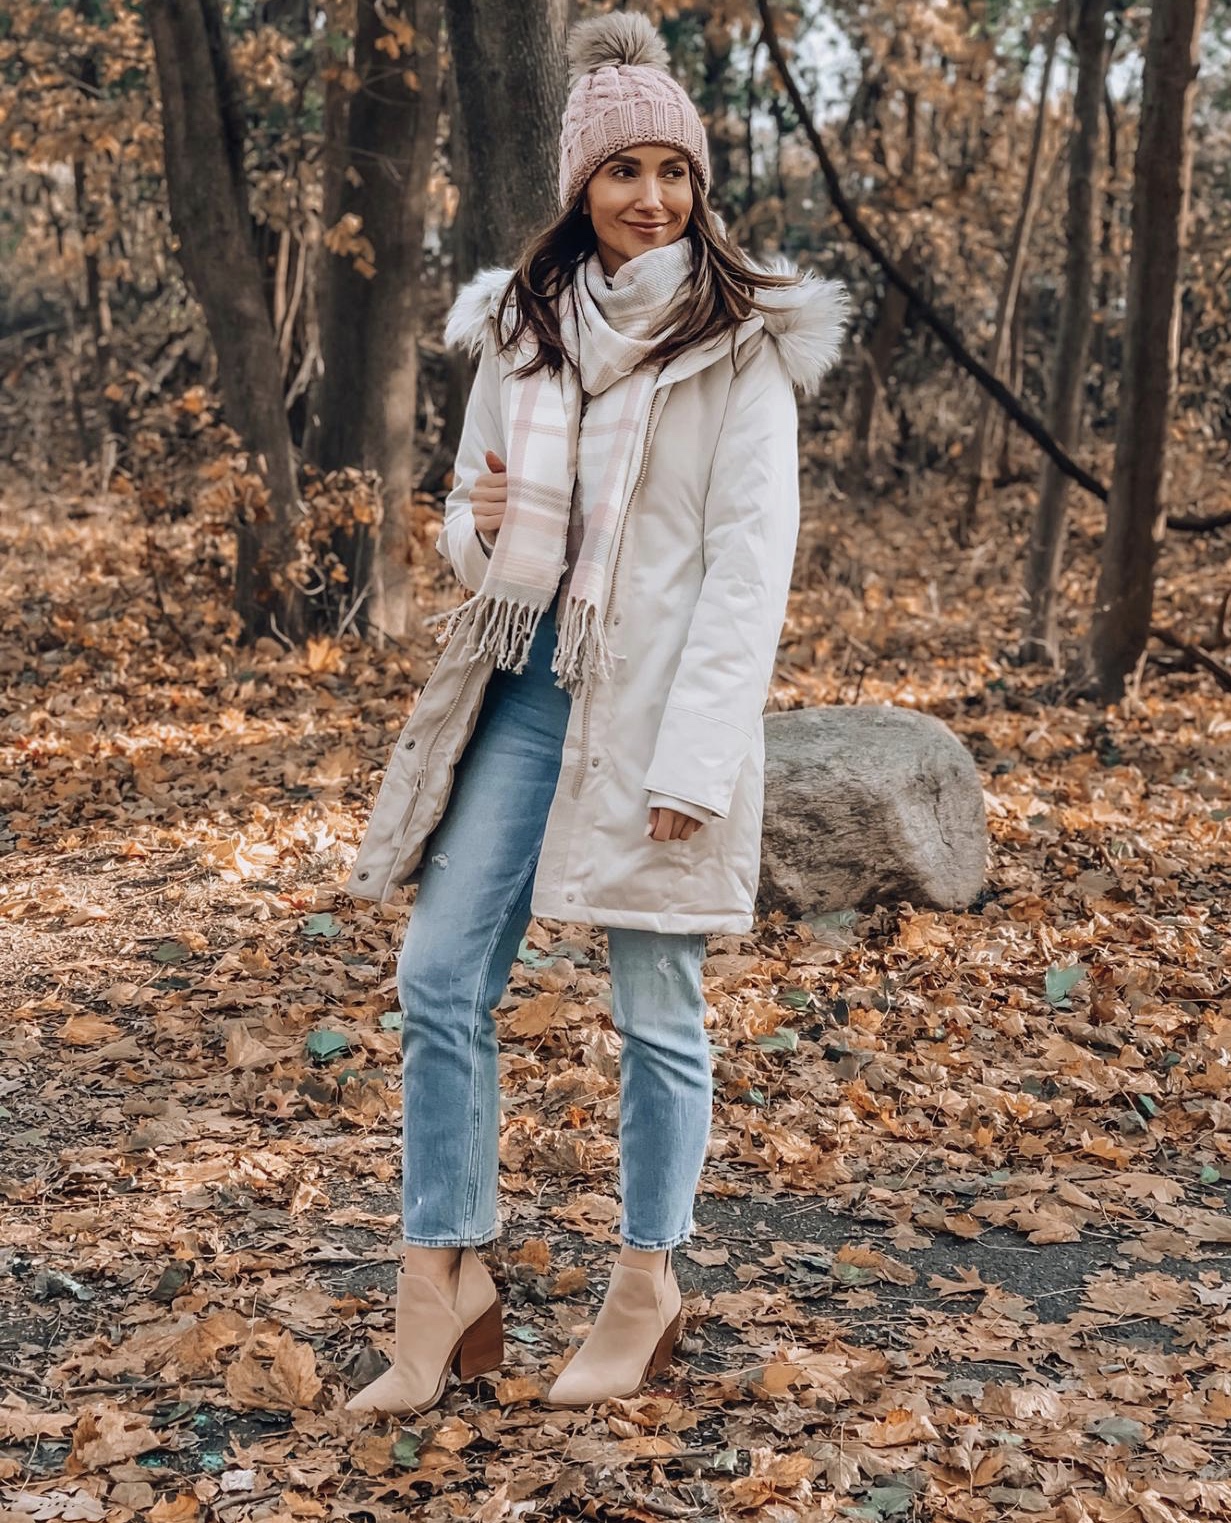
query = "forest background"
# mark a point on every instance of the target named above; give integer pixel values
(963, 1238)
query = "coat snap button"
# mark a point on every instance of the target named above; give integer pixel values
(410, 744)
(570, 897)
(594, 761)
(364, 874)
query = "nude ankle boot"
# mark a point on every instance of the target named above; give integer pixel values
(431, 1335)
(633, 1338)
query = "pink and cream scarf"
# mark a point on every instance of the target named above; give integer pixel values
(557, 446)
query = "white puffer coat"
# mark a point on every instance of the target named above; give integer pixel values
(695, 609)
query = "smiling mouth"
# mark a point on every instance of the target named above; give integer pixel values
(648, 227)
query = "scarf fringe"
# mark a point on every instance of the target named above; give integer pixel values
(506, 629)
(582, 654)
(498, 626)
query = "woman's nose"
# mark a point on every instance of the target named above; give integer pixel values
(650, 193)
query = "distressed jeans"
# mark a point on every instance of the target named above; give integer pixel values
(470, 914)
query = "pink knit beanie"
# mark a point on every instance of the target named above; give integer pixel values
(620, 93)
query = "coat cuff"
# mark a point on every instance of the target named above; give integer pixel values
(698, 756)
(681, 806)
(461, 546)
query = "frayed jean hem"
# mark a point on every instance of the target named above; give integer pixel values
(667, 1243)
(477, 1240)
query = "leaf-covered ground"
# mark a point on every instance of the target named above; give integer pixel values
(964, 1242)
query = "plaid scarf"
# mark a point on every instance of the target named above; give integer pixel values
(580, 433)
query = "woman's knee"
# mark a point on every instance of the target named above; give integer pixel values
(656, 986)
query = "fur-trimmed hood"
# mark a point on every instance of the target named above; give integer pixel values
(806, 321)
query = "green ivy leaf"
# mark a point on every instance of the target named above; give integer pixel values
(889, 1501)
(1059, 983)
(851, 1274)
(832, 920)
(1118, 1430)
(529, 958)
(406, 1450)
(785, 1039)
(323, 1045)
(321, 925)
(172, 951)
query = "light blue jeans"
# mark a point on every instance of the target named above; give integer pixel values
(469, 916)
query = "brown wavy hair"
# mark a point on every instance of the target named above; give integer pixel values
(721, 295)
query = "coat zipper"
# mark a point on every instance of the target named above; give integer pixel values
(615, 571)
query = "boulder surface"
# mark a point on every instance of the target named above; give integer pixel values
(869, 805)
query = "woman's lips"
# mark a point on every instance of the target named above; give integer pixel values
(647, 227)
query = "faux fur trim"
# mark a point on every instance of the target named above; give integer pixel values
(476, 302)
(807, 321)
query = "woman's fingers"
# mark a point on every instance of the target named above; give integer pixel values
(671, 825)
(489, 496)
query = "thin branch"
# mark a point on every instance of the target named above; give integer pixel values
(1197, 654)
(1198, 523)
(1012, 405)
(868, 242)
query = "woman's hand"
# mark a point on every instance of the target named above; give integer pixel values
(489, 495)
(671, 825)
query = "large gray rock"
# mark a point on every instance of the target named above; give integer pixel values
(869, 805)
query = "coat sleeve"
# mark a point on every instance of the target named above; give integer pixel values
(482, 429)
(750, 528)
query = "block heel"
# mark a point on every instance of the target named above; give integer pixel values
(482, 1345)
(663, 1354)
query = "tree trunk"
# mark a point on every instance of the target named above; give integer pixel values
(716, 37)
(365, 408)
(456, 364)
(1136, 514)
(507, 91)
(498, 159)
(511, 86)
(1046, 554)
(998, 350)
(1107, 249)
(876, 362)
(203, 144)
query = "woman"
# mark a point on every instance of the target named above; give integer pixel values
(589, 746)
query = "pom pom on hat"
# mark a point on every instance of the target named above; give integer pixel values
(622, 93)
(623, 37)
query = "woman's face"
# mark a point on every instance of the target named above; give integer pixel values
(638, 199)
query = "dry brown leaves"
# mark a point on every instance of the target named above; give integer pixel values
(962, 1246)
